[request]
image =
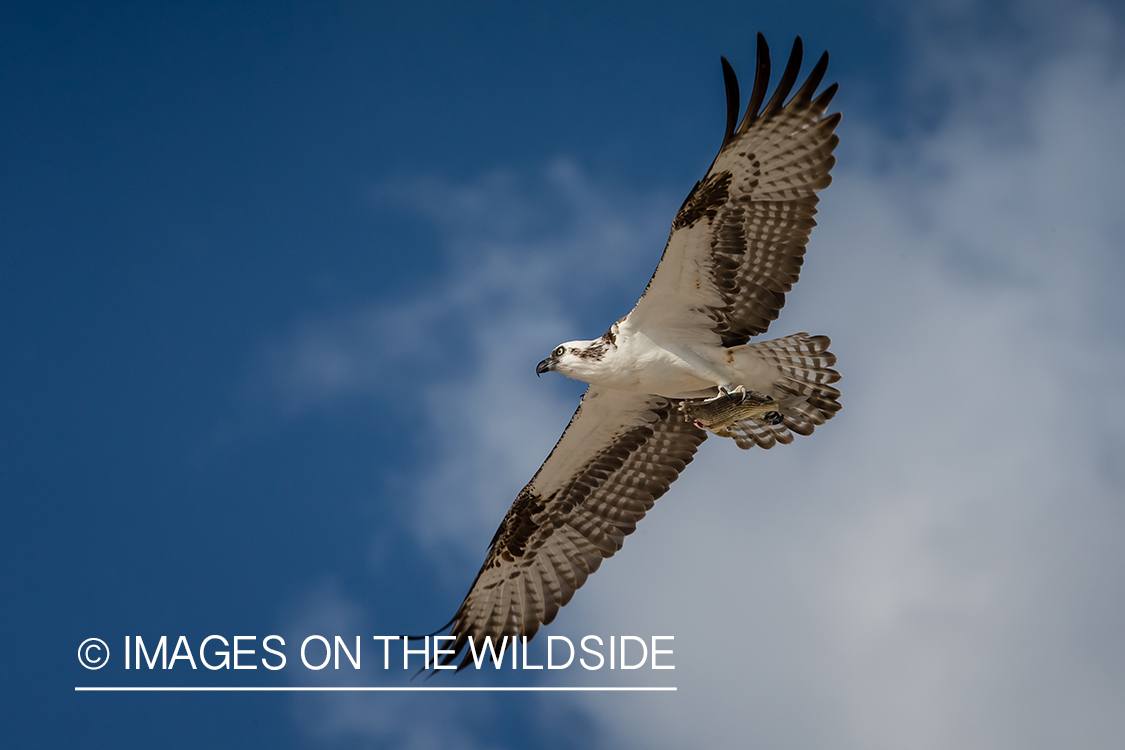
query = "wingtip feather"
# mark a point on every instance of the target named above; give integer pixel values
(730, 84)
(788, 79)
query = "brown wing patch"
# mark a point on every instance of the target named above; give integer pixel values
(704, 200)
(516, 528)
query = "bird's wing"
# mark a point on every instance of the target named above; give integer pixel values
(737, 243)
(620, 452)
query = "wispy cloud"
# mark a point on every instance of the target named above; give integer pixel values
(524, 254)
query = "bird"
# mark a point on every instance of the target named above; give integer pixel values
(680, 366)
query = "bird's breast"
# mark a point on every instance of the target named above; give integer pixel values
(638, 363)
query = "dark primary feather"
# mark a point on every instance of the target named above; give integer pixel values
(730, 82)
(761, 83)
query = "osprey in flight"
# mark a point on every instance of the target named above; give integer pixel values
(680, 365)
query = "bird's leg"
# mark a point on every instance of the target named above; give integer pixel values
(739, 395)
(728, 393)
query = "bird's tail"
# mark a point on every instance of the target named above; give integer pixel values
(807, 398)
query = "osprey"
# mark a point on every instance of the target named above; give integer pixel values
(680, 365)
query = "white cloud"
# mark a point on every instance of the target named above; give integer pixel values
(938, 567)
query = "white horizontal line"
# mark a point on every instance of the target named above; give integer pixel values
(370, 689)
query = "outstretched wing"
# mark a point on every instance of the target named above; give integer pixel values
(738, 241)
(620, 452)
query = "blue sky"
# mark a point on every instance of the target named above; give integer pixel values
(275, 278)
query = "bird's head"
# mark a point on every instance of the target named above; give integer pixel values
(575, 359)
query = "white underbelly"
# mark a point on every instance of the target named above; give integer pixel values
(642, 366)
(678, 370)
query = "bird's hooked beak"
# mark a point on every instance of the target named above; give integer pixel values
(547, 365)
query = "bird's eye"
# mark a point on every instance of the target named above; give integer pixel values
(558, 352)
